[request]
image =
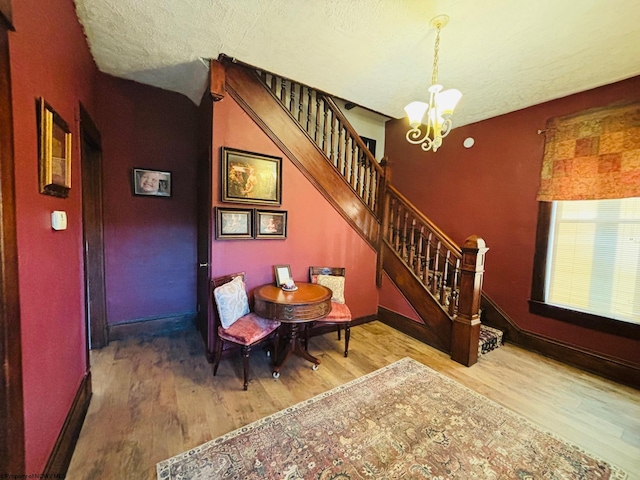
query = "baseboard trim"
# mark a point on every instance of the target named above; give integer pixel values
(605, 366)
(60, 457)
(406, 325)
(151, 326)
(320, 329)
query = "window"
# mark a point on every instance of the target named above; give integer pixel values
(587, 265)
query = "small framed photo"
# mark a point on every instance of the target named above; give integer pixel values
(54, 149)
(154, 183)
(282, 274)
(251, 178)
(271, 224)
(234, 223)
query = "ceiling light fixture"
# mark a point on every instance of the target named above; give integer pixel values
(440, 106)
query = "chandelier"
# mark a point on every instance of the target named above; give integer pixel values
(440, 106)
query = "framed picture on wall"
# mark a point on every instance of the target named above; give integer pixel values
(54, 151)
(271, 224)
(154, 183)
(234, 223)
(250, 177)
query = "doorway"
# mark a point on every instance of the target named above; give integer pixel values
(93, 234)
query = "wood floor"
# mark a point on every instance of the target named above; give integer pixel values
(155, 397)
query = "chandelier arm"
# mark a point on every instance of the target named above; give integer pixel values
(446, 127)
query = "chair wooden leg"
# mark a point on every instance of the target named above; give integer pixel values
(347, 335)
(339, 332)
(218, 356)
(245, 364)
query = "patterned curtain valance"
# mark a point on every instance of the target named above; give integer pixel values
(593, 155)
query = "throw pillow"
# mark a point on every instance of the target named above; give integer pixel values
(336, 284)
(231, 301)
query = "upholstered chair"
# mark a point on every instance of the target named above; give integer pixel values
(234, 323)
(333, 278)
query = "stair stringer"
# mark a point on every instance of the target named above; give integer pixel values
(256, 100)
(437, 325)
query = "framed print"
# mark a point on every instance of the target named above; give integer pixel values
(251, 177)
(54, 151)
(283, 274)
(234, 223)
(154, 183)
(271, 224)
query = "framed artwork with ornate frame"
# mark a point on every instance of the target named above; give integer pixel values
(271, 224)
(54, 151)
(250, 177)
(234, 223)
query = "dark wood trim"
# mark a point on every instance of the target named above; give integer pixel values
(586, 320)
(605, 366)
(277, 123)
(12, 447)
(151, 326)
(540, 256)
(60, 457)
(6, 15)
(93, 231)
(437, 326)
(320, 329)
(406, 325)
(537, 304)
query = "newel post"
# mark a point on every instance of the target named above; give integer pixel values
(383, 215)
(466, 325)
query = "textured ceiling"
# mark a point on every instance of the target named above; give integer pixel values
(503, 55)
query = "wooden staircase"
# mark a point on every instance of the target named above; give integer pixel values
(442, 281)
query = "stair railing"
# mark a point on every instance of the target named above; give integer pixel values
(326, 125)
(425, 250)
(452, 275)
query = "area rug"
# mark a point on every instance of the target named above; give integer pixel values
(403, 421)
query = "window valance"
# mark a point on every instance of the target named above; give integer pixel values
(592, 155)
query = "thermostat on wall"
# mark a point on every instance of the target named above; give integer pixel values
(59, 220)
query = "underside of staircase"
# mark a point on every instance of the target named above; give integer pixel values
(432, 272)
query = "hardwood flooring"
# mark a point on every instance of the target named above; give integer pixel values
(155, 397)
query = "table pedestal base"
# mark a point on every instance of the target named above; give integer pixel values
(293, 346)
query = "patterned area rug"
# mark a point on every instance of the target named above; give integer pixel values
(402, 421)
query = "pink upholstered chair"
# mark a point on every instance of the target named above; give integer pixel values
(234, 322)
(333, 278)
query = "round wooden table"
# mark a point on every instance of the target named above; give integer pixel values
(306, 304)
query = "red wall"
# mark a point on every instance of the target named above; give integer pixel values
(49, 58)
(150, 242)
(490, 190)
(317, 234)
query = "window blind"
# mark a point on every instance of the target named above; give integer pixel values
(594, 261)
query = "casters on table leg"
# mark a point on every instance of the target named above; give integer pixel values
(315, 366)
(276, 374)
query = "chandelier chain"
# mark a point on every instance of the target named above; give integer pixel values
(436, 51)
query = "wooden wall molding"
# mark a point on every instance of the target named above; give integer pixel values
(605, 366)
(151, 326)
(408, 326)
(437, 327)
(253, 97)
(60, 457)
(12, 442)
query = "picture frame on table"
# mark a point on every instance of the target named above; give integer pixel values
(234, 223)
(271, 224)
(151, 183)
(248, 177)
(282, 274)
(54, 151)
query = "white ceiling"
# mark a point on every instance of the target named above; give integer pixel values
(503, 55)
